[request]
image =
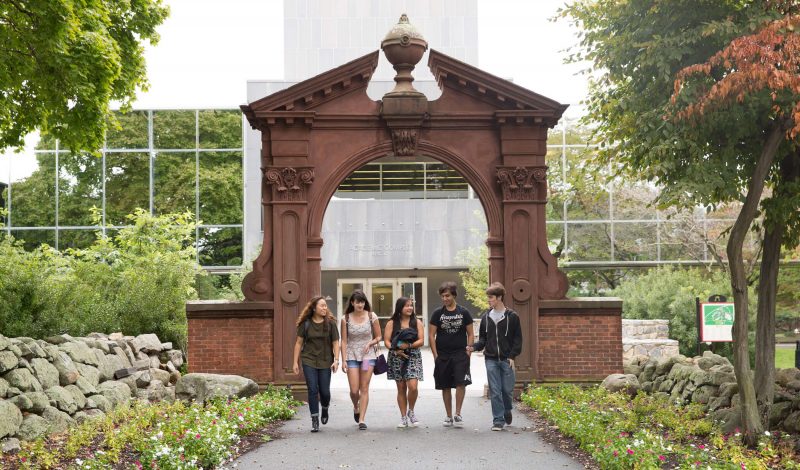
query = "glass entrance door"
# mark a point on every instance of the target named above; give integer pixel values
(382, 294)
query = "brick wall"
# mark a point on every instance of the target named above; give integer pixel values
(231, 338)
(580, 339)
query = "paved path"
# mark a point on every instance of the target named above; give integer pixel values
(339, 444)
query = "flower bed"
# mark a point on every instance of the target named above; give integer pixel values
(651, 432)
(165, 435)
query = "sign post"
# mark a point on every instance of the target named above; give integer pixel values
(714, 321)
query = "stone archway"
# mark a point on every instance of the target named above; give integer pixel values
(490, 130)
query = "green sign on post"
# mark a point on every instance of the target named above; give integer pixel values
(716, 322)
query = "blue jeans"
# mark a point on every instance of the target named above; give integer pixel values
(318, 382)
(501, 379)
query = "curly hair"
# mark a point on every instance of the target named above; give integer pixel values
(308, 311)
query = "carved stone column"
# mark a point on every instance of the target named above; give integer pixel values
(289, 228)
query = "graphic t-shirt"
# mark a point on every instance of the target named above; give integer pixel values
(451, 329)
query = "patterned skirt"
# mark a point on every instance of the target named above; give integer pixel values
(402, 369)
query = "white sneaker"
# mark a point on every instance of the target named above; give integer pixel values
(412, 418)
(458, 421)
(447, 422)
(497, 427)
(403, 423)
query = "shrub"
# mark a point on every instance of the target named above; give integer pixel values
(669, 293)
(135, 281)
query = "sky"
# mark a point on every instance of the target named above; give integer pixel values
(209, 49)
(207, 53)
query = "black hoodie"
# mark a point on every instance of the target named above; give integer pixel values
(502, 340)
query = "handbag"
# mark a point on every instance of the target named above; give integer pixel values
(381, 367)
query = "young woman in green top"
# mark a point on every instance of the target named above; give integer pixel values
(317, 345)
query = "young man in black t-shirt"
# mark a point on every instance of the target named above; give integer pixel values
(450, 331)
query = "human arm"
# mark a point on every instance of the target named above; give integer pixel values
(298, 346)
(376, 332)
(335, 364)
(432, 339)
(470, 337)
(516, 340)
(343, 340)
(387, 335)
(481, 343)
(420, 336)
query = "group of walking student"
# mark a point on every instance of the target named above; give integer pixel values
(319, 348)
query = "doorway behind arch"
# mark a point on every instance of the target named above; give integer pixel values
(396, 227)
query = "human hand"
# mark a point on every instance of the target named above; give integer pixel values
(296, 368)
(344, 367)
(366, 349)
(511, 363)
(335, 367)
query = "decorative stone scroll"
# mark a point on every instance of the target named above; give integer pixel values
(520, 183)
(288, 184)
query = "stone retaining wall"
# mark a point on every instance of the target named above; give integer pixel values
(647, 338)
(48, 385)
(709, 380)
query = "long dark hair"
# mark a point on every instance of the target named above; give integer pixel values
(398, 313)
(357, 294)
(308, 312)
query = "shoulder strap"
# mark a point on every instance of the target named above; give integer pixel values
(306, 326)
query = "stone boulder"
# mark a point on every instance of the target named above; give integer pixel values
(3, 388)
(62, 399)
(91, 374)
(99, 402)
(45, 373)
(626, 383)
(201, 387)
(784, 376)
(23, 380)
(80, 352)
(33, 427)
(39, 401)
(8, 361)
(116, 392)
(86, 415)
(67, 372)
(10, 446)
(58, 420)
(10, 419)
(149, 343)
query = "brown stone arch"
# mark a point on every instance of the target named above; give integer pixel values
(493, 132)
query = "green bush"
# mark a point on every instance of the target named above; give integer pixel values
(135, 281)
(669, 293)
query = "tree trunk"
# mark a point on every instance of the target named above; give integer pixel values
(765, 323)
(741, 356)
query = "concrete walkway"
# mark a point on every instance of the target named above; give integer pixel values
(340, 444)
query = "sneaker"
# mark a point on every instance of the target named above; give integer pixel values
(447, 422)
(507, 416)
(412, 418)
(362, 426)
(458, 421)
(497, 427)
(403, 422)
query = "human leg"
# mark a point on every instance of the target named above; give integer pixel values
(494, 375)
(353, 375)
(460, 392)
(509, 378)
(312, 384)
(402, 402)
(365, 376)
(413, 392)
(324, 386)
(447, 398)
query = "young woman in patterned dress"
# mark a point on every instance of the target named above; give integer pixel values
(361, 334)
(403, 336)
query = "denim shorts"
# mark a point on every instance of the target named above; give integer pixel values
(363, 365)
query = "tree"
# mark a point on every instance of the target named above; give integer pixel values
(637, 50)
(65, 60)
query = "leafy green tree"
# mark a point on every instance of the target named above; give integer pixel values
(720, 151)
(65, 60)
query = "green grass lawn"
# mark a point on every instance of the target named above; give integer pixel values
(784, 358)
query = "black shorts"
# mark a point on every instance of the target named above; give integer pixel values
(451, 371)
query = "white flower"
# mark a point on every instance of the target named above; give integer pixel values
(766, 433)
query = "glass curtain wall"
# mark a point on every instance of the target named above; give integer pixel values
(161, 161)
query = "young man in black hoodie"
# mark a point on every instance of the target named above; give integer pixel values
(500, 338)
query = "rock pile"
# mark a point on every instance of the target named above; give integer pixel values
(709, 380)
(48, 385)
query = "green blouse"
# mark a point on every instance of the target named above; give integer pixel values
(318, 349)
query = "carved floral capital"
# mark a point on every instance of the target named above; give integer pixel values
(288, 184)
(520, 183)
